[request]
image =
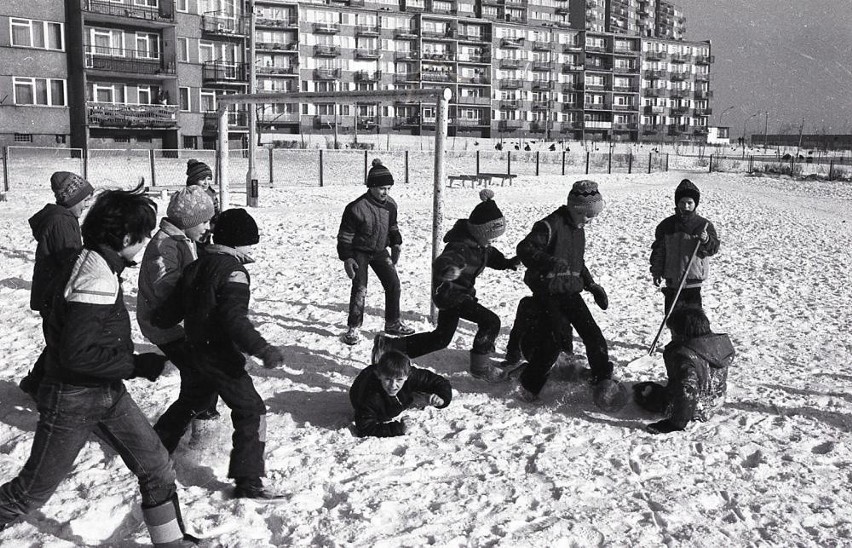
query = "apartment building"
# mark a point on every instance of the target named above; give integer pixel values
(147, 72)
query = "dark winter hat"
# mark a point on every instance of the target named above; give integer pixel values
(686, 189)
(486, 221)
(190, 207)
(69, 188)
(234, 228)
(585, 198)
(379, 175)
(195, 171)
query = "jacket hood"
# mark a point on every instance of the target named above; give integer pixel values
(460, 233)
(41, 220)
(716, 348)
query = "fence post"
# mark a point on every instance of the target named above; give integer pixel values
(320, 166)
(630, 163)
(537, 156)
(271, 170)
(153, 168)
(406, 166)
(650, 159)
(750, 163)
(5, 169)
(563, 162)
(830, 170)
(587, 162)
(792, 164)
(477, 163)
(711, 164)
(366, 171)
(609, 161)
(85, 152)
(509, 162)
(667, 161)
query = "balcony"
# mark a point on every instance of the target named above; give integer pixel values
(164, 13)
(368, 76)
(656, 74)
(652, 129)
(368, 53)
(237, 120)
(597, 124)
(602, 86)
(702, 77)
(655, 55)
(510, 42)
(472, 122)
(541, 45)
(569, 87)
(598, 67)
(566, 107)
(472, 37)
(326, 28)
(649, 109)
(222, 72)
(705, 59)
(438, 56)
(510, 125)
(625, 69)
(703, 111)
(681, 57)
(542, 105)
(405, 56)
(569, 67)
(217, 25)
(406, 77)
(597, 106)
(406, 121)
(678, 76)
(625, 89)
(276, 70)
(437, 76)
(511, 83)
(264, 117)
(288, 23)
(542, 66)
(473, 100)
(543, 85)
(701, 94)
(512, 104)
(325, 50)
(326, 74)
(628, 126)
(539, 126)
(447, 34)
(405, 33)
(572, 125)
(484, 58)
(506, 63)
(680, 111)
(277, 46)
(115, 115)
(479, 79)
(367, 122)
(571, 48)
(367, 30)
(679, 93)
(595, 49)
(620, 106)
(128, 61)
(677, 129)
(655, 92)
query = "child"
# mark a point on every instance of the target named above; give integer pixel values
(385, 389)
(89, 353)
(674, 241)
(170, 251)
(554, 254)
(213, 297)
(56, 228)
(200, 174)
(467, 253)
(697, 362)
(367, 229)
(528, 320)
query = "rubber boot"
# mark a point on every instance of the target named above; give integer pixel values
(482, 368)
(165, 525)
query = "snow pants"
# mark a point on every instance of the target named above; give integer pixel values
(487, 322)
(385, 270)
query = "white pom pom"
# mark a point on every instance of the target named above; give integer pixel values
(376, 162)
(486, 194)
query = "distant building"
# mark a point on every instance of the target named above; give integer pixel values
(718, 135)
(807, 140)
(146, 73)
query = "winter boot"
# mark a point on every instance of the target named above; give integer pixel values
(482, 368)
(252, 488)
(398, 329)
(351, 337)
(203, 430)
(165, 525)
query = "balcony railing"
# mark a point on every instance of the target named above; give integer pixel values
(221, 72)
(265, 117)
(568, 87)
(702, 77)
(650, 109)
(570, 48)
(597, 106)
(437, 76)
(655, 55)
(541, 45)
(236, 120)
(510, 105)
(679, 75)
(472, 122)
(542, 105)
(325, 50)
(277, 46)
(406, 77)
(405, 55)
(483, 58)
(288, 70)
(481, 79)
(628, 126)
(288, 22)
(570, 106)
(597, 124)
(543, 85)
(326, 28)
(368, 76)
(406, 121)
(655, 92)
(223, 26)
(617, 106)
(131, 116)
(165, 12)
(511, 63)
(703, 111)
(129, 61)
(327, 74)
(511, 83)
(442, 56)
(473, 100)
(448, 34)
(542, 66)
(625, 69)
(570, 67)
(405, 33)
(367, 30)
(539, 126)
(681, 57)
(510, 125)
(701, 94)
(705, 59)
(510, 42)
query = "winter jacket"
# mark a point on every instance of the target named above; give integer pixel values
(374, 408)
(553, 253)
(674, 242)
(88, 334)
(57, 232)
(367, 226)
(463, 252)
(212, 298)
(167, 254)
(698, 371)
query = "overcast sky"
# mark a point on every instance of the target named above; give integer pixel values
(790, 57)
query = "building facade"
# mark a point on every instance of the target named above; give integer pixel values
(146, 73)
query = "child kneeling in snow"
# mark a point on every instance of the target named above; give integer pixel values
(697, 362)
(384, 390)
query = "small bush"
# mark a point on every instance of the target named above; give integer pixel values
(362, 146)
(286, 144)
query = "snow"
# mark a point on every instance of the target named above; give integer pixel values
(771, 469)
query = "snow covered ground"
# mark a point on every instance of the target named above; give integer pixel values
(772, 469)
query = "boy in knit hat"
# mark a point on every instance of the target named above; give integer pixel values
(554, 254)
(212, 298)
(674, 242)
(454, 272)
(56, 228)
(169, 252)
(367, 229)
(199, 174)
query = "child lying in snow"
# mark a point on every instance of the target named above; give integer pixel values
(385, 389)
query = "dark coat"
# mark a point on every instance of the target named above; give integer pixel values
(374, 408)
(367, 226)
(674, 242)
(212, 298)
(88, 334)
(463, 252)
(57, 232)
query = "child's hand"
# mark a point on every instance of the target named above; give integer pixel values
(704, 236)
(350, 265)
(436, 400)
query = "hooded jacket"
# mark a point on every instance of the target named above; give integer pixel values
(57, 232)
(367, 226)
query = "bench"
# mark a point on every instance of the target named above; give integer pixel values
(483, 179)
(502, 176)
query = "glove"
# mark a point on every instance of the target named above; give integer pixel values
(514, 263)
(148, 365)
(450, 273)
(395, 249)
(599, 294)
(658, 280)
(272, 357)
(350, 265)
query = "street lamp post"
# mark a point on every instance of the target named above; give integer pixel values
(745, 122)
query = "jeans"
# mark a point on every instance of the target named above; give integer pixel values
(488, 324)
(385, 270)
(68, 415)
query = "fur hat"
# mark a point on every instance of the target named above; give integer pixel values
(235, 228)
(687, 189)
(69, 188)
(195, 171)
(585, 198)
(379, 175)
(486, 221)
(190, 206)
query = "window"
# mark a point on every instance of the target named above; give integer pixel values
(144, 95)
(208, 101)
(183, 49)
(121, 139)
(185, 103)
(183, 5)
(143, 139)
(23, 137)
(103, 94)
(147, 46)
(39, 91)
(37, 34)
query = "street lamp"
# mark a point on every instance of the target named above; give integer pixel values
(744, 130)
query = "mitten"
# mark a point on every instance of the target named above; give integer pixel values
(148, 365)
(658, 280)
(271, 356)
(513, 263)
(350, 265)
(395, 249)
(599, 294)
(450, 273)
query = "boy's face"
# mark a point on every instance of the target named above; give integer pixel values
(380, 193)
(685, 206)
(196, 233)
(205, 182)
(392, 385)
(81, 206)
(580, 219)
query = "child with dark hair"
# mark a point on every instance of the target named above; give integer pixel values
(454, 272)
(56, 228)
(697, 362)
(385, 389)
(212, 298)
(89, 353)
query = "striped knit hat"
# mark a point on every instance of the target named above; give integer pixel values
(195, 171)
(379, 175)
(585, 198)
(486, 221)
